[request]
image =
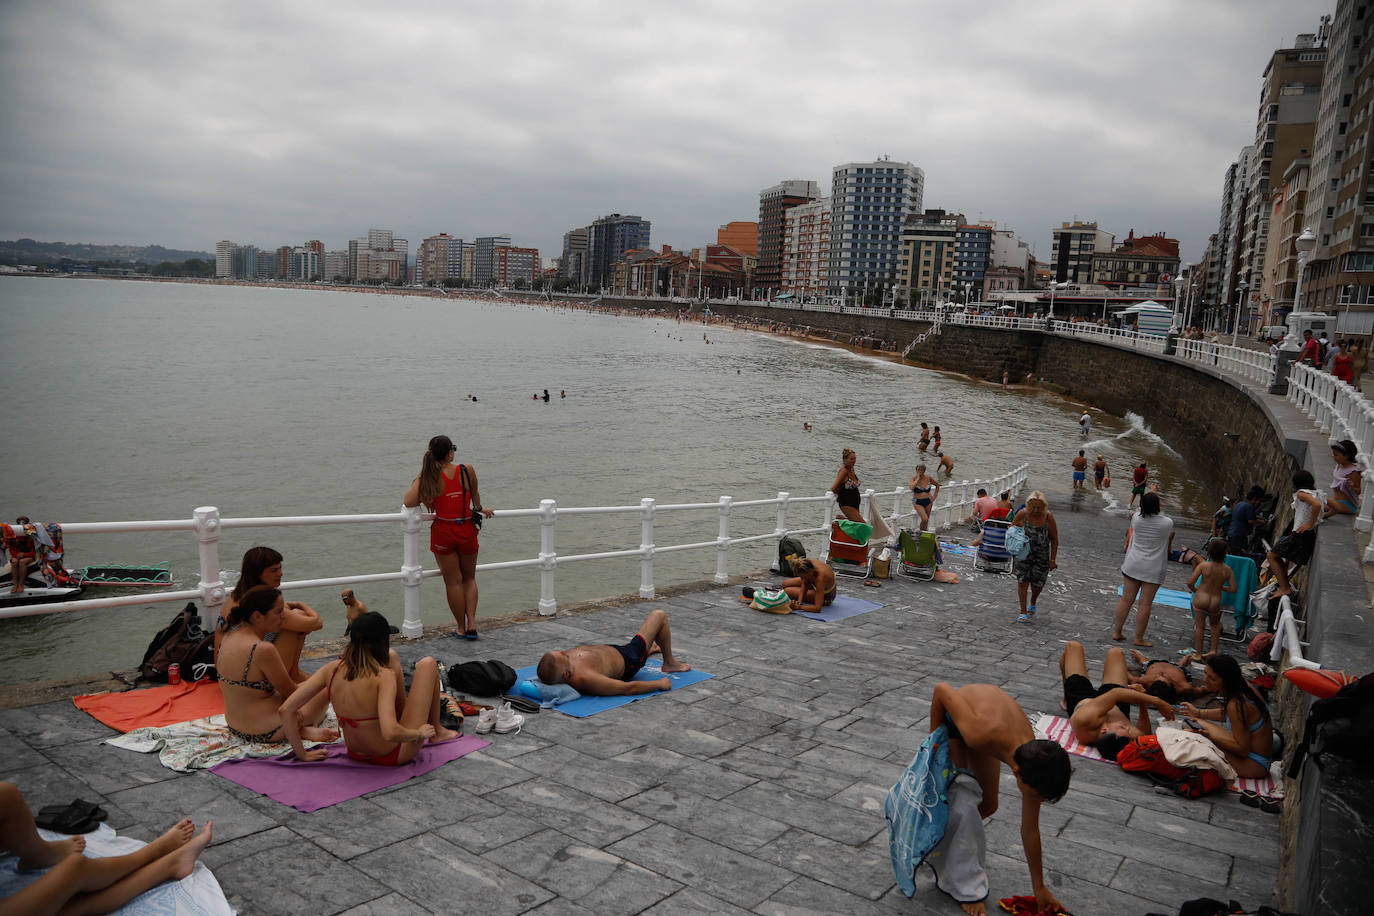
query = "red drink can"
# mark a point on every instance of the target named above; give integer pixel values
(174, 673)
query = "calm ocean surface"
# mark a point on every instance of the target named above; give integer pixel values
(136, 400)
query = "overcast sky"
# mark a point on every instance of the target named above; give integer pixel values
(180, 124)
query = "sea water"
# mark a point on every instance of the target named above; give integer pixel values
(133, 400)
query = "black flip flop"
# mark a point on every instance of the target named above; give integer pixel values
(523, 704)
(78, 817)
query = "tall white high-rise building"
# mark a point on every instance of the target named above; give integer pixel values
(869, 205)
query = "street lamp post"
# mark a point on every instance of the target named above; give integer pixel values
(1304, 244)
(1241, 287)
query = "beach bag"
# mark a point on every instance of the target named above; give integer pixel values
(771, 600)
(477, 517)
(1144, 755)
(1340, 726)
(1017, 543)
(182, 642)
(789, 546)
(490, 678)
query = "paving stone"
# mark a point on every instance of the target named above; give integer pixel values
(1259, 847)
(15, 755)
(91, 759)
(53, 724)
(717, 821)
(388, 905)
(711, 867)
(821, 817)
(591, 878)
(577, 814)
(314, 882)
(1171, 854)
(354, 827)
(429, 868)
(202, 796)
(480, 834)
(863, 871)
(1163, 886)
(693, 902)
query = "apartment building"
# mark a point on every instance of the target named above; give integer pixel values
(929, 243)
(805, 249)
(1072, 250)
(774, 204)
(1148, 260)
(870, 203)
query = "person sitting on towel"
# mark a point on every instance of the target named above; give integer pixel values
(381, 724)
(1098, 715)
(988, 728)
(812, 588)
(609, 671)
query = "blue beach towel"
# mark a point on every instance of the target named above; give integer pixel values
(1171, 597)
(917, 808)
(843, 606)
(588, 705)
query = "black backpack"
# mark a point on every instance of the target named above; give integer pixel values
(183, 642)
(789, 546)
(490, 678)
(1340, 726)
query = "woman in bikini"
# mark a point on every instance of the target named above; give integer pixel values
(924, 442)
(924, 490)
(1241, 728)
(449, 490)
(846, 487)
(812, 588)
(253, 698)
(262, 566)
(381, 724)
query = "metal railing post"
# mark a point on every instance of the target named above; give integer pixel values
(646, 544)
(723, 542)
(780, 531)
(207, 534)
(826, 521)
(411, 569)
(548, 559)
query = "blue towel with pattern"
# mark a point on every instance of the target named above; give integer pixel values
(917, 808)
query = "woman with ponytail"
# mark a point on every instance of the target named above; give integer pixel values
(449, 490)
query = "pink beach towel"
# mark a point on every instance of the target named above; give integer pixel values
(1058, 730)
(315, 785)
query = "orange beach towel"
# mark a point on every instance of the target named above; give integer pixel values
(154, 706)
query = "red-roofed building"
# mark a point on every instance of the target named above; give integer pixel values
(1147, 260)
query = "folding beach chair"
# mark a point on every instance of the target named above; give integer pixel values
(918, 553)
(992, 554)
(1247, 578)
(848, 555)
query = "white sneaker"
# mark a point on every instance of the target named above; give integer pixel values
(486, 721)
(507, 719)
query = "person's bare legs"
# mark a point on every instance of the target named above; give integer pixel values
(852, 514)
(1142, 614)
(1129, 589)
(655, 630)
(1072, 660)
(1114, 668)
(924, 513)
(78, 885)
(19, 568)
(1022, 588)
(453, 588)
(467, 567)
(422, 706)
(1215, 618)
(1280, 567)
(19, 835)
(1199, 626)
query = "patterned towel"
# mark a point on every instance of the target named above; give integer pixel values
(201, 743)
(1057, 729)
(917, 808)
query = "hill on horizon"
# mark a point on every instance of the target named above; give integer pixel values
(31, 251)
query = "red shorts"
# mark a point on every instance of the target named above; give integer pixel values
(453, 537)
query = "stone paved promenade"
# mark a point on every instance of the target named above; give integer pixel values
(759, 791)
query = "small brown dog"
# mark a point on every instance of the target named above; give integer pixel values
(355, 607)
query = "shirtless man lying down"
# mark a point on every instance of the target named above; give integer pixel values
(608, 671)
(1096, 713)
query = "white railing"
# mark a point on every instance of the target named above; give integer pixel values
(207, 525)
(1288, 623)
(1253, 365)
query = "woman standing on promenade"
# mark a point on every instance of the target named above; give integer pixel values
(262, 566)
(1342, 365)
(253, 677)
(449, 490)
(924, 491)
(1142, 573)
(1034, 570)
(846, 487)
(1345, 481)
(381, 724)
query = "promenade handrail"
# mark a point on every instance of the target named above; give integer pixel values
(955, 506)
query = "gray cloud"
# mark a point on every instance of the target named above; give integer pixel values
(181, 124)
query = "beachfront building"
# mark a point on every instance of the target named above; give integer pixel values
(484, 257)
(741, 236)
(929, 243)
(512, 265)
(266, 265)
(439, 259)
(303, 264)
(1230, 233)
(224, 250)
(774, 205)
(1072, 250)
(1287, 210)
(1147, 260)
(608, 238)
(573, 262)
(870, 203)
(972, 255)
(805, 249)
(1005, 250)
(378, 256)
(336, 265)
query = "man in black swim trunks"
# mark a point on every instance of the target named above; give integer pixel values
(609, 671)
(1100, 712)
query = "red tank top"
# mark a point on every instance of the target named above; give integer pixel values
(452, 504)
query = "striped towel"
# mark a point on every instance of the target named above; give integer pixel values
(1058, 730)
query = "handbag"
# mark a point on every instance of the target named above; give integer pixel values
(1017, 543)
(477, 516)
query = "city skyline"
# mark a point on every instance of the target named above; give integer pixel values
(163, 124)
